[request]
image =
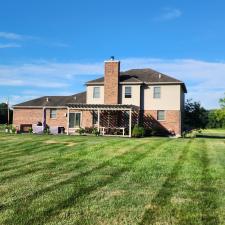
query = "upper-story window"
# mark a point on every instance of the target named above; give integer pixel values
(96, 92)
(157, 92)
(53, 113)
(128, 93)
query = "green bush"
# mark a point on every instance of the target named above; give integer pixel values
(96, 132)
(89, 130)
(192, 133)
(46, 130)
(14, 130)
(30, 130)
(138, 131)
(81, 131)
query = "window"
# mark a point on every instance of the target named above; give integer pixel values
(74, 120)
(95, 117)
(160, 115)
(53, 113)
(157, 92)
(128, 92)
(96, 92)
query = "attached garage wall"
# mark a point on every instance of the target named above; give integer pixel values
(26, 116)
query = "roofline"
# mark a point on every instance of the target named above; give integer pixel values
(40, 107)
(94, 83)
(130, 82)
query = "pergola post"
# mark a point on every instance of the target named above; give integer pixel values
(98, 120)
(68, 119)
(130, 122)
(44, 119)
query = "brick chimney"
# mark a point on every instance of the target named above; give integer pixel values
(111, 81)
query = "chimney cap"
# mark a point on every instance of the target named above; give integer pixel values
(112, 59)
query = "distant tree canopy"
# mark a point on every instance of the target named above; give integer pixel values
(217, 116)
(195, 116)
(4, 114)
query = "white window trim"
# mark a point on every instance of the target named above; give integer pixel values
(159, 92)
(164, 115)
(94, 92)
(125, 91)
(77, 127)
(51, 114)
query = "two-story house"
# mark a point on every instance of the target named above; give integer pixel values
(113, 104)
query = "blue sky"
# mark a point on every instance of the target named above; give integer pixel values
(52, 47)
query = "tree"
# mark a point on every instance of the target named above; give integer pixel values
(195, 116)
(4, 114)
(217, 116)
(222, 102)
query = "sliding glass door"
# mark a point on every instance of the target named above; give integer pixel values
(74, 120)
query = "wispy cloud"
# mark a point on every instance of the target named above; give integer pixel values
(205, 80)
(18, 38)
(169, 14)
(10, 45)
(60, 45)
(15, 36)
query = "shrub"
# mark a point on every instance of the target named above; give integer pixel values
(46, 130)
(30, 130)
(88, 130)
(14, 130)
(138, 131)
(96, 132)
(81, 131)
(191, 133)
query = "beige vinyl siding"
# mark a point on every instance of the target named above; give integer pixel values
(91, 99)
(135, 95)
(170, 98)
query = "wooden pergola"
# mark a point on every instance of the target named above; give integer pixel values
(101, 108)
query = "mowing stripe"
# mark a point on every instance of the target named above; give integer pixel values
(165, 193)
(81, 191)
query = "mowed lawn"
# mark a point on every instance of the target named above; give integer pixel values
(94, 180)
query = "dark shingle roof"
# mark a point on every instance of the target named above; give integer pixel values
(55, 100)
(130, 76)
(140, 75)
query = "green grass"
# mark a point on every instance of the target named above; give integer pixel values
(219, 132)
(94, 180)
(2, 128)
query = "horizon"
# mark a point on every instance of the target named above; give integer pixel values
(53, 49)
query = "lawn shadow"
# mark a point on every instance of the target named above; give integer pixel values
(81, 191)
(164, 195)
(210, 194)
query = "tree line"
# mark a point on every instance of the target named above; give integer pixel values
(4, 114)
(196, 116)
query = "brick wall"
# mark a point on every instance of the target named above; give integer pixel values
(59, 121)
(111, 80)
(26, 116)
(172, 120)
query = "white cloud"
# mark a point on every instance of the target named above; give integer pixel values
(10, 45)
(169, 14)
(205, 81)
(15, 36)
